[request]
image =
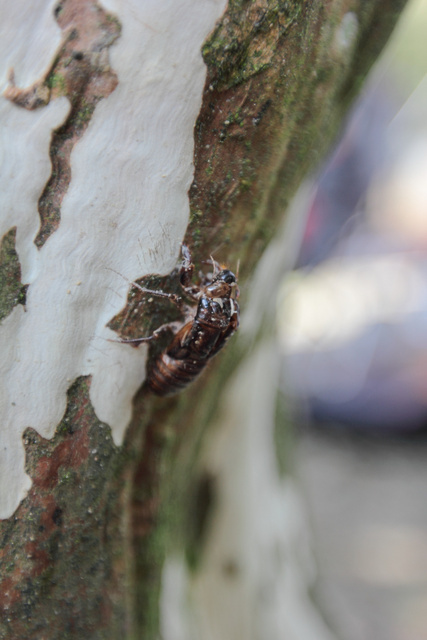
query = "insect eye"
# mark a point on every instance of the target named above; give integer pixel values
(228, 277)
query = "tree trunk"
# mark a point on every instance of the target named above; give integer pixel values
(120, 141)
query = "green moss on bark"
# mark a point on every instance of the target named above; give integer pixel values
(12, 291)
(62, 550)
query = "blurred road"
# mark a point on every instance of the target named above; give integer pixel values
(368, 503)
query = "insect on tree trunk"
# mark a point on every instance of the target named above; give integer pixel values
(128, 129)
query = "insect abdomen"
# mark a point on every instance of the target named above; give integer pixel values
(169, 375)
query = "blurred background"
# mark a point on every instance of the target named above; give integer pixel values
(353, 327)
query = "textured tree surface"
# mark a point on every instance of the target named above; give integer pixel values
(82, 555)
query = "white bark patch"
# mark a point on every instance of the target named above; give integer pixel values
(257, 568)
(126, 210)
(29, 37)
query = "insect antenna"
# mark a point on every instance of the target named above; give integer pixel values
(215, 266)
(173, 297)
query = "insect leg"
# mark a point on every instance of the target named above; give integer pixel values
(232, 327)
(173, 297)
(186, 274)
(135, 342)
(187, 267)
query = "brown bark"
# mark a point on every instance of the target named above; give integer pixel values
(82, 555)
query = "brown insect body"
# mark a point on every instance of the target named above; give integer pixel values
(203, 333)
(216, 319)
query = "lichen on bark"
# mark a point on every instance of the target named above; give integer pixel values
(12, 291)
(245, 40)
(281, 75)
(61, 558)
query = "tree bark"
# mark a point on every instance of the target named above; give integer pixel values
(120, 141)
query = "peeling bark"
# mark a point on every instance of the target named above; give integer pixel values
(81, 72)
(62, 555)
(82, 555)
